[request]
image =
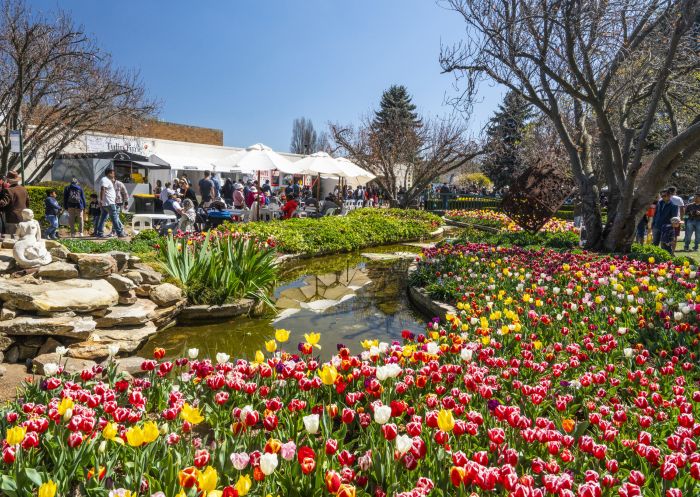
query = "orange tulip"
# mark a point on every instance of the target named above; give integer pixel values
(345, 490)
(457, 475)
(568, 425)
(188, 477)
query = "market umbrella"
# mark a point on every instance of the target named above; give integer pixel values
(319, 163)
(255, 158)
(353, 173)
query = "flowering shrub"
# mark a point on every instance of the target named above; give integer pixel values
(499, 220)
(568, 375)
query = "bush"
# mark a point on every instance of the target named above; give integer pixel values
(564, 240)
(360, 228)
(142, 243)
(219, 269)
(644, 252)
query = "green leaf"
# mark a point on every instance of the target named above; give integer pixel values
(8, 485)
(33, 476)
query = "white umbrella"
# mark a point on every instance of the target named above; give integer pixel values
(255, 158)
(354, 173)
(319, 163)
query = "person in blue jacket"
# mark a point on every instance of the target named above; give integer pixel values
(52, 210)
(665, 211)
(74, 203)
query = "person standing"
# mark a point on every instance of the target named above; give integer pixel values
(692, 223)
(122, 196)
(206, 188)
(13, 200)
(238, 200)
(108, 206)
(665, 211)
(266, 187)
(52, 210)
(186, 191)
(74, 203)
(227, 191)
(217, 185)
(94, 210)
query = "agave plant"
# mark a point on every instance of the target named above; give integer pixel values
(220, 269)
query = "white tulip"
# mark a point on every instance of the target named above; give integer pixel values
(677, 316)
(473, 321)
(192, 353)
(383, 347)
(311, 423)
(268, 463)
(374, 351)
(622, 331)
(556, 290)
(436, 326)
(466, 354)
(628, 352)
(244, 412)
(433, 348)
(50, 368)
(403, 443)
(382, 414)
(618, 310)
(222, 357)
(113, 349)
(61, 351)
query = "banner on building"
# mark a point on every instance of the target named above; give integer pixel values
(99, 143)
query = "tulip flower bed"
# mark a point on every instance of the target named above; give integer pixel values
(498, 220)
(570, 375)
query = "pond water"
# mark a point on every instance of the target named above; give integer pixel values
(348, 298)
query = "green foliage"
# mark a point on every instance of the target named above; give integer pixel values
(220, 270)
(332, 234)
(37, 196)
(644, 252)
(142, 243)
(562, 240)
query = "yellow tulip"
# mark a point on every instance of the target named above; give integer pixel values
(47, 489)
(207, 479)
(270, 346)
(15, 435)
(537, 344)
(66, 403)
(134, 436)
(150, 431)
(313, 339)
(259, 357)
(110, 431)
(445, 420)
(328, 374)
(243, 485)
(281, 335)
(368, 344)
(191, 414)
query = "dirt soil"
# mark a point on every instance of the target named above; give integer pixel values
(14, 375)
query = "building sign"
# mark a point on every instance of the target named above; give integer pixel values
(99, 143)
(14, 141)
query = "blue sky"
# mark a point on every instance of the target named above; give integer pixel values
(250, 67)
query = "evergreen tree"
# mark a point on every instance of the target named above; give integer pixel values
(503, 163)
(396, 125)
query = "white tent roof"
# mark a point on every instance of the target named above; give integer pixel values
(320, 163)
(257, 157)
(183, 162)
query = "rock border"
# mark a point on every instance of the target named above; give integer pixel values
(421, 300)
(195, 314)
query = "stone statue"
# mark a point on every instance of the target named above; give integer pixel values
(30, 250)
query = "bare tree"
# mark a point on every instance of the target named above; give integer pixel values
(606, 75)
(56, 84)
(305, 139)
(440, 147)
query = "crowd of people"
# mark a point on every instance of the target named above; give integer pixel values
(661, 223)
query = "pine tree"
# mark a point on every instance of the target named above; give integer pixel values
(503, 163)
(396, 125)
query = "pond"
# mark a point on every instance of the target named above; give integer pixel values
(348, 298)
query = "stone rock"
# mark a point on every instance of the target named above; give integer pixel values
(27, 352)
(59, 296)
(68, 326)
(60, 252)
(12, 354)
(131, 365)
(129, 315)
(127, 298)
(97, 347)
(134, 261)
(6, 314)
(165, 295)
(5, 342)
(52, 244)
(149, 275)
(134, 276)
(199, 313)
(121, 283)
(58, 270)
(144, 291)
(7, 262)
(100, 313)
(70, 364)
(49, 346)
(165, 315)
(8, 243)
(122, 259)
(3, 370)
(93, 266)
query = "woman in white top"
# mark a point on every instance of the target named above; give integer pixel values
(188, 217)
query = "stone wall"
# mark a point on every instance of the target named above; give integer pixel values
(94, 305)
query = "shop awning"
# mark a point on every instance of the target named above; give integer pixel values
(150, 165)
(182, 162)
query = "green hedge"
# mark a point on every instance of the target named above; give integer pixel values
(37, 197)
(563, 240)
(333, 234)
(142, 243)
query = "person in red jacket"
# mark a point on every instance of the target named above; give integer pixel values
(13, 198)
(290, 207)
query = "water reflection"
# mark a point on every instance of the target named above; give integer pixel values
(346, 297)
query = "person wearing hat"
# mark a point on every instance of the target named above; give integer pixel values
(13, 200)
(252, 196)
(238, 197)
